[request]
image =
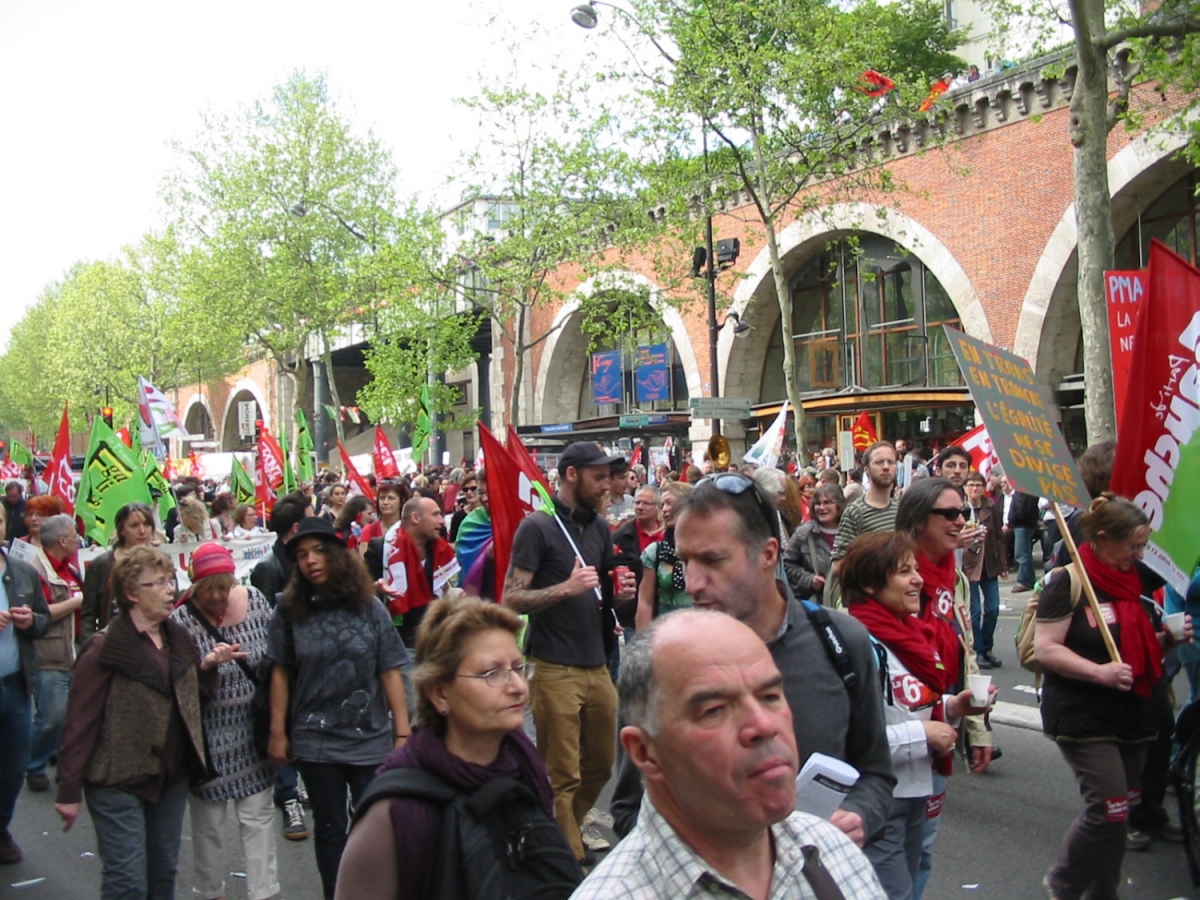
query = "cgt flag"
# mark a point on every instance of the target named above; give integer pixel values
(977, 443)
(268, 472)
(863, 433)
(242, 483)
(59, 480)
(1157, 465)
(358, 484)
(385, 459)
(112, 477)
(512, 495)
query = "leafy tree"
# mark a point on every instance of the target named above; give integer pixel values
(773, 84)
(285, 209)
(1132, 42)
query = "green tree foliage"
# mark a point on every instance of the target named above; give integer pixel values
(771, 86)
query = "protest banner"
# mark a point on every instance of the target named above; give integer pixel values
(864, 432)
(767, 449)
(385, 459)
(60, 481)
(1025, 439)
(1157, 463)
(977, 443)
(1123, 292)
(247, 553)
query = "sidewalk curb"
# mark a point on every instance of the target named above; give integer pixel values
(1016, 715)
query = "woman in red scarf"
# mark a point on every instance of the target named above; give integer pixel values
(882, 587)
(1096, 710)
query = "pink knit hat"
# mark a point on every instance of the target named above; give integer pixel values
(210, 559)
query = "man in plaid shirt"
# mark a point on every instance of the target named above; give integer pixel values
(710, 730)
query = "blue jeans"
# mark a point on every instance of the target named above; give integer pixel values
(1023, 547)
(895, 849)
(50, 700)
(328, 785)
(15, 724)
(983, 621)
(286, 781)
(931, 831)
(138, 841)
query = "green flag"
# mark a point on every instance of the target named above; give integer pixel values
(112, 477)
(304, 448)
(20, 454)
(289, 477)
(242, 484)
(424, 427)
(331, 411)
(160, 488)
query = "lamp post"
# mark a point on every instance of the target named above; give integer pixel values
(586, 16)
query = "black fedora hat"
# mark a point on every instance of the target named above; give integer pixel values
(312, 526)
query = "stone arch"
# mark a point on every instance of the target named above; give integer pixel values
(245, 389)
(1046, 311)
(198, 416)
(741, 370)
(566, 348)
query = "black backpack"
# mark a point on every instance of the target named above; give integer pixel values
(496, 843)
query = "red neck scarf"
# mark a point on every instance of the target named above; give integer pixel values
(1139, 646)
(937, 607)
(915, 642)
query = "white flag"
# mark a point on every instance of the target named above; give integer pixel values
(157, 418)
(765, 453)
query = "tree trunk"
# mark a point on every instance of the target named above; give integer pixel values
(784, 296)
(327, 359)
(514, 399)
(1093, 213)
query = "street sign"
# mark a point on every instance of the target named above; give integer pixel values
(557, 428)
(246, 416)
(642, 421)
(719, 407)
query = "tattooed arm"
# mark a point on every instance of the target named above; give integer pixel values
(521, 599)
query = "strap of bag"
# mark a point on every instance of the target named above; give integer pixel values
(485, 799)
(834, 644)
(818, 876)
(415, 783)
(812, 555)
(220, 638)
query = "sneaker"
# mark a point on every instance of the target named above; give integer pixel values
(1136, 841)
(37, 782)
(597, 817)
(10, 853)
(593, 839)
(294, 828)
(995, 663)
(983, 662)
(1171, 833)
(302, 796)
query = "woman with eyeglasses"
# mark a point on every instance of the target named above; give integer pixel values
(932, 511)
(133, 738)
(471, 685)
(336, 659)
(808, 557)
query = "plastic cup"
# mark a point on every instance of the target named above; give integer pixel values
(978, 685)
(1174, 623)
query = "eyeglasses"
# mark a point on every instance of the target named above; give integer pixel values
(498, 678)
(736, 483)
(950, 515)
(161, 585)
(470, 490)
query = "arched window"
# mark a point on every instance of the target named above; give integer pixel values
(870, 317)
(1174, 218)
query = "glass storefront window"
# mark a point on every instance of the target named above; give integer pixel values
(1174, 218)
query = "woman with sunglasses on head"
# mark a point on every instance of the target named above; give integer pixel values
(1099, 712)
(471, 686)
(932, 511)
(134, 737)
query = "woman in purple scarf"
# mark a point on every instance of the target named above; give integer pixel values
(471, 687)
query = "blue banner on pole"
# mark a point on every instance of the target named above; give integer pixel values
(653, 375)
(606, 377)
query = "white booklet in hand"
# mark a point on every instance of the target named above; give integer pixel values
(823, 784)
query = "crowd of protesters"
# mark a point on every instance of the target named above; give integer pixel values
(704, 632)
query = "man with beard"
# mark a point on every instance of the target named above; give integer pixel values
(561, 576)
(954, 464)
(875, 510)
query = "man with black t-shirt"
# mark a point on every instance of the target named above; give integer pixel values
(560, 575)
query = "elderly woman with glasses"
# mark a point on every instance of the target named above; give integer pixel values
(134, 739)
(471, 684)
(809, 554)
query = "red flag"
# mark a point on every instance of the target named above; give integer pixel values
(358, 484)
(520, 455)
(978, 443)
(511, 497)
(385, 460)
(126, 437)
(59, 482)
(873, 84)
(864, 432)
(197, 469)
(268, 472)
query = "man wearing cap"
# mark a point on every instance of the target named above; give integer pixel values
(561, 576)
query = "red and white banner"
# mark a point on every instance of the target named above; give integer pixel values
(385, 460)
(358, 484)
(524, 459)
(1123, 292)
(268, 471)
(511, 496)
(979, 445)
(59, 480)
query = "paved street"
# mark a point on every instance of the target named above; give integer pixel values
(1000, 833)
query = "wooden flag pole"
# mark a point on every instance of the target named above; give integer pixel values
(1087, 584)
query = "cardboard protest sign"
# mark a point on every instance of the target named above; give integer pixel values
(1025, 438)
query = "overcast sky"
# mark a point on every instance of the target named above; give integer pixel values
(94, 93)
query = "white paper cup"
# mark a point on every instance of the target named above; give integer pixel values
(1174, 623)
(978, 685)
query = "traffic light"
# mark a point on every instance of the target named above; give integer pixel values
(258, 427)
(106, 413)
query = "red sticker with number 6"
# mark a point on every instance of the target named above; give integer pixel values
(913, 692)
